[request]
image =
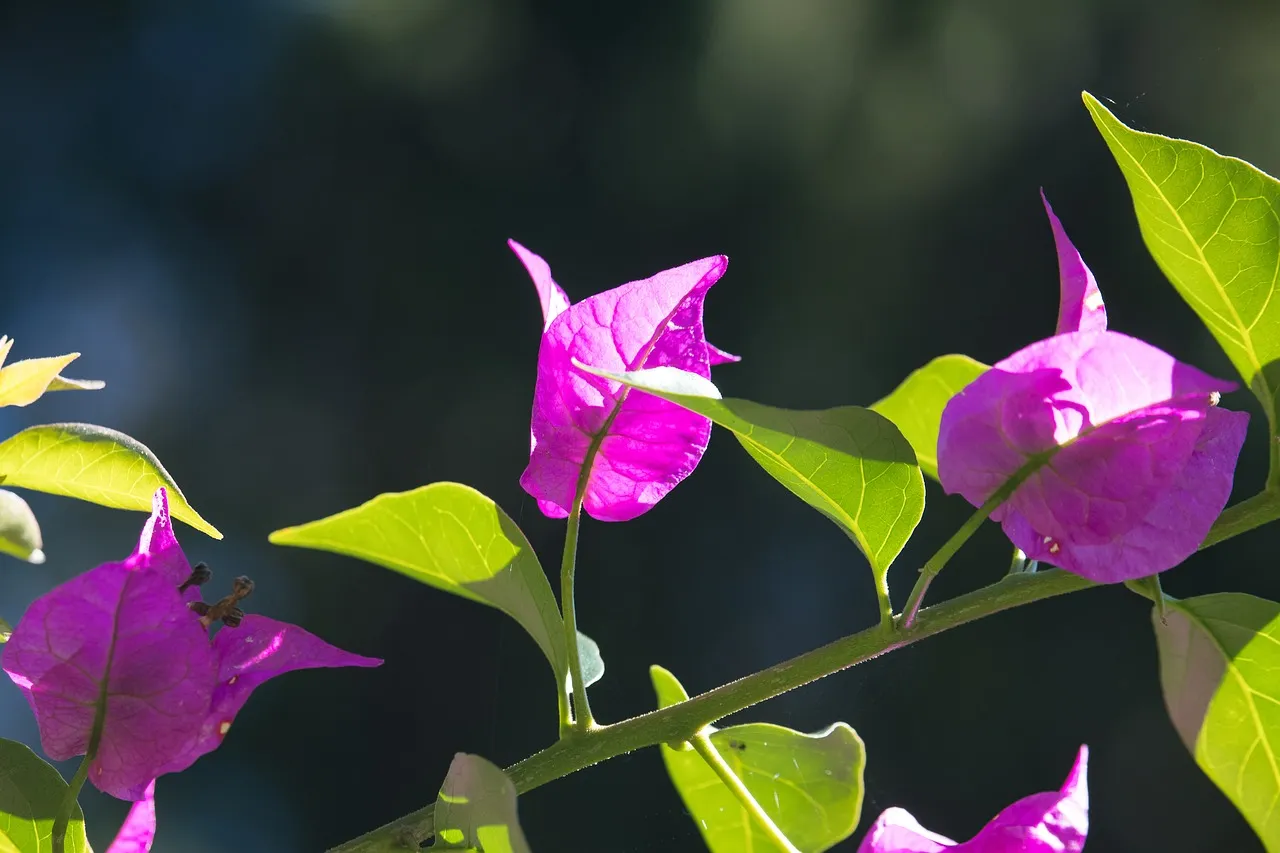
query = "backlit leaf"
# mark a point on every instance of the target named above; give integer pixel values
(476, 809)
(809, 785)
(24, 382)
(19, 530)
(589, 657)
(66, 383)
(94, 464)
(1213, 225)
(851, 464)
(916, 405)
(1220, 670)
(31, 792)
(453, 538)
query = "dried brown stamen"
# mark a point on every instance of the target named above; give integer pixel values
(200, 574)
(225, 610)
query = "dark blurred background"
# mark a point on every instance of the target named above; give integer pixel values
(277, 230)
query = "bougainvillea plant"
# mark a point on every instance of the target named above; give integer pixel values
(1104, 460)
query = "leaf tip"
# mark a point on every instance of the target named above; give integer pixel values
(193, 519)
(36, 557)
(283, 536)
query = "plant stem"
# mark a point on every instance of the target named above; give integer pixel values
(1253, 512)
(581, 708)
(682, 721)
(883, 599)
(961, 536)
(704, 747)
(68, 805)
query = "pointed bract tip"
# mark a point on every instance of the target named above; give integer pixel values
(36, 557)
(1077, 784)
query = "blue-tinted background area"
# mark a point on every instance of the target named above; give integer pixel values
(277, 230)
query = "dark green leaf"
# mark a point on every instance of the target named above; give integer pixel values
(1220, 670)
(851, 464)
(19, 530)
(453, 538)
(1213, 225)
(31, 792)
(94, 464)
(476, 809)
(916, 405)
(810, 785)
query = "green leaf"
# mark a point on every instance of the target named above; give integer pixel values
(476, 809)
(94, 464)
(810, 785)
(6, 631)
(66, 383)
(916, 405)
(19, 530)
(1213, 225)
(589, 657)
(24, 382)
(851, 464)
(451, 537)
(31, 792)
(1220, 670)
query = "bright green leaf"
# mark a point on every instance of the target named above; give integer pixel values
(94, 464)
(851, 464)
(7, 846)
(916, 405)
(19, 530)
(1220, 670)
(1213, 225)
(451, 537)
(476, 809)
(809, 785)
(6, 631)
(31, 792)
(589, 657)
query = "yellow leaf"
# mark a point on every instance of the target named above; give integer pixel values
(24, 382)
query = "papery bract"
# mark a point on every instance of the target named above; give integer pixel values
(1054, 822)
(638, 446)
(1133, 460)
(1080, 305)
(114, 662)
(138, 832)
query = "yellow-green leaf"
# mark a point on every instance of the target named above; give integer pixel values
(849, 463)
(24, 382)
(31, 792)
(19, 530)
(1220, 671)
(810, 785)
(476, 809)
(94, 464)
(454, 538)
(66, 383)
(1212, 223)
(916, 405)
